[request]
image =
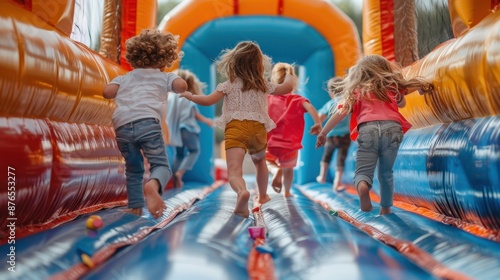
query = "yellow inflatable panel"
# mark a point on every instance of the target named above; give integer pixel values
(467, 74)
(59, 14)
(372, 41)
(465, 14)
(146, 15)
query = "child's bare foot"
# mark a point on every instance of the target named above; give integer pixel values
(288, 194)
(242, 204)
(364, 197)
(277, 182)
(264, 199)
(178, 180)
(338, 188)
(385, 210)
(320, 179)
(154, 202)
(135, 211)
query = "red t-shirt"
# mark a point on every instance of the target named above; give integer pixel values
(287, 111)
(376, 110)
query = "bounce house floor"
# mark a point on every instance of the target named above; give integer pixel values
(316, 234)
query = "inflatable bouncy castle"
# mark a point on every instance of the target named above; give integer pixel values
(63, 193)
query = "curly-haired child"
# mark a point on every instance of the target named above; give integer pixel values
(139, 97)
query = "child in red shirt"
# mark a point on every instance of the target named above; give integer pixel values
(285, 141)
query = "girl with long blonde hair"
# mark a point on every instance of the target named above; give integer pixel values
(372, 91)
(244, 118)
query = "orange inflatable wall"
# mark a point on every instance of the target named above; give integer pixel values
(56, 136)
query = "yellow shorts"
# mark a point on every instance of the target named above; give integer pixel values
(248, 135)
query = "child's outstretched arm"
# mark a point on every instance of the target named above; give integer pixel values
(285, 87)
(110, 90)
(425, 88)
(205, 100)
(316, 128)
(330, 124)
(203, 119)
(322, 117)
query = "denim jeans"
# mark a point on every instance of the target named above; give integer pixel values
(378, 145)
(145, 135)
(186, 156)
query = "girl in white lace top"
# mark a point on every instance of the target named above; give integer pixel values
(244, 118)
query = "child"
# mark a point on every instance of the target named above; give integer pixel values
(182, 117)
(372, 91)
(244, 115)
(139, 96)
(284, 142)
(338, 138)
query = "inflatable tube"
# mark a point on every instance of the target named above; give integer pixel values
(46, 75)
(466, 72)
(58, 14)
(466, 14)
(452, 169)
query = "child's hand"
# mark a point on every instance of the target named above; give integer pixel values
(426, 89)
(321, 140)
(211, 123)
(315, 129)
(186, 94)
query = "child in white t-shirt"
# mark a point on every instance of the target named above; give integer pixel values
(139, 96)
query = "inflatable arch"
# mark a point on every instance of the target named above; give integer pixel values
(312, 34)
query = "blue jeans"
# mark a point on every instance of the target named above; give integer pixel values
(145, 135)
(191, 143)
(378, 144)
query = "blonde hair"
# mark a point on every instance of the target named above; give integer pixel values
(245, 61)
(374, 75)
(279, 72)
(333, 91)
(194, 85)
(152, 49)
